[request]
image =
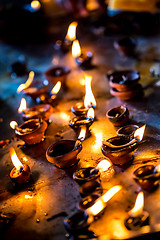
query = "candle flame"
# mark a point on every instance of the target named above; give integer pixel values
(90, 113)
(76, 49)
(71, 33)
(111, 192)
(138, 207)
(82, 133)
(13, 124)
(89, 100)
(35, 4)
(103, 165)
(56, 88)
(16, 162)
(27, 83)
(139, 133)
(23, 105)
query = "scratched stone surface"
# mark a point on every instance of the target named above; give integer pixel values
(52, 190)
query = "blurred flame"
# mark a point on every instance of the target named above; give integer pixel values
(18, 165)
(139, 133)
(56, 88)
(98, 142)
(138, 207)
(82, 133)
(13, 124)
(111, 192)
(76, 49)
(158, 168)
(28, 196)
(71, 33)
(27, 83)
(90, 113)
(103, 165)
(97, 207)
(89, 100)
(35, 4)
(23, 105)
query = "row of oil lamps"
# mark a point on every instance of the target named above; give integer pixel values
(64, 153)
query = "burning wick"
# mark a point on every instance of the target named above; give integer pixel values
(89, 99)
(55, 90)
(102, 166)
(81, 136)
(27, 83)
(14, 125)
(21, 172)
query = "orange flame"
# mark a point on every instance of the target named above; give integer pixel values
(89, 100)
(71, 33)
(27, 83)
(18, 165)
(56, 88)
(13, 124)
(158, 168)
(138, 207)
(103, 165)
(28, 196)
(139, 133)
(82, 133)
(76, 49)
(90, 113)
(23, 105)
(35, 4)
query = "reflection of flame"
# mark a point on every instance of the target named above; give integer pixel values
(139, 133)
(35, 4)
(89, 100)
(27, 83)
(13, 124)
(71, 34)
(76, 49)
(28, 196)
(90, 113)
(138, 207)
(98, 142)
(23, 105)
(56, 88)
(103, 165)
(18, 165)
(82, 133)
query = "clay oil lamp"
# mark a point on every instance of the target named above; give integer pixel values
(120, 149)
(127, 131)
(125, 46)
(31, 131)
(83, 59)
(118, 116)
(137, 217)
(82, 219)
(40, 111)
(147, 176)
(66, 44)
(21, 172)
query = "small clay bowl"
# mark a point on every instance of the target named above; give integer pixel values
(22, 177)
(87, 201)
(77, 122)
(118, 115)
(34, 136)
(64, 45)
(135, 223)
(79, 109)
(84, 60)
(42, 110)
(119, 156)
(127, 131)
(91, 187)
(63, 154)
(147, 177)
(86, 174)
(125, 46)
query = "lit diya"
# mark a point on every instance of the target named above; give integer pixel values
(120, 149)
(31, 131)
(118, 116)
(21, 172)
(137, 217)
(83, 59)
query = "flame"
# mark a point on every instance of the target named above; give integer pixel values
(89, 100)
(18, 165)
(76, 49)
(103, 165)
(28, 196)
(56, 88)
(71, 33)
(90, 113)
(138, 207)
(111, 192)
(82, 133)
(23, 105)
(139, 133)
(35, 5)
(13, 124)
(158, 168)
(27, 83)
(98, 141)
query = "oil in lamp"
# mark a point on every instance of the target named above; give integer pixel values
(21, 172)
(31, 131)
(137, 217)
(83, 59)
(120, 149)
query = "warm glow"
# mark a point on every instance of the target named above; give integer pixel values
(71, 34)
(89, 99)
(98, 142)
(111, 192)
(103, 165)
(138, 207)
(56, 88)
(27, 83)
(23, 105)
(139, 133)
(90, 113)
(76, 49)
(97, 207)
(18, 165)
(28, 196)
(82, 133)
(35, 5)
(158, 168)
(13, 124)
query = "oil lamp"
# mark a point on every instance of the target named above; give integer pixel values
(137, 217)
(21, 172)
(31, 131)
(81, 58)
(127, 130)
(118, 116)
(120, 149)
(125, 46)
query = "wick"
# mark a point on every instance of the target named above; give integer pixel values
(21, 169)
